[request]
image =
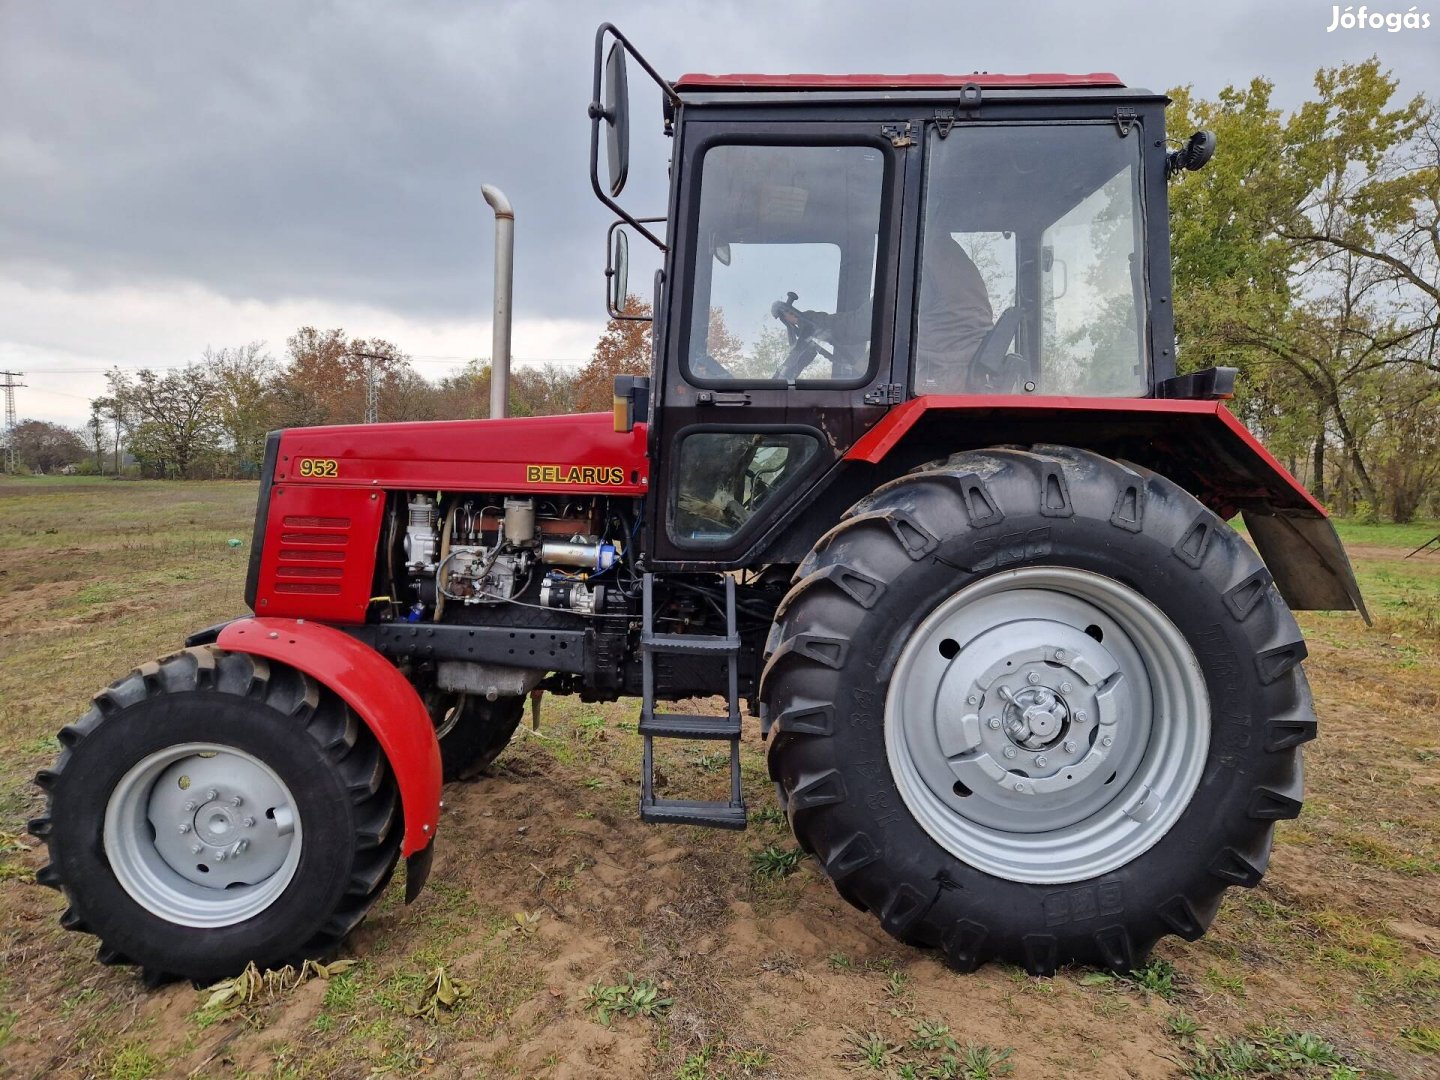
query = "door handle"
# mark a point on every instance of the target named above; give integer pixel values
(721, 397)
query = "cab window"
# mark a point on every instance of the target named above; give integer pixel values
(788, 238)
(725, 478)
(1031, 276)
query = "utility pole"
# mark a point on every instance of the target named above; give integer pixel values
(10, 386)
(372, 386)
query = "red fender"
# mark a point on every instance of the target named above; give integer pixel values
(1197, 444)
(378, 693)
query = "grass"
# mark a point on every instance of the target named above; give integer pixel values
(1269, 1052)
(775, 862)
(631, 997)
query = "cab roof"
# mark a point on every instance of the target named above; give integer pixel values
(1049, 80)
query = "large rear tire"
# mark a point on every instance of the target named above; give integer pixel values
(1036, 706)
(216, 808)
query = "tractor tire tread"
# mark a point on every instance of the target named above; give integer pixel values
(969, 494)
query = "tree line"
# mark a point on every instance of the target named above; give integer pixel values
(1307, 255)
(209, 419)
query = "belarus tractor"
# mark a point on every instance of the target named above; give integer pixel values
(913, 480)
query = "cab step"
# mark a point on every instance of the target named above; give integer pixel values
(692, 644)
(712, 815)
(654, 725)
(689, 726)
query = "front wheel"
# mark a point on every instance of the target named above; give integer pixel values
(214, 809)
(472, 730)
(1037, 706)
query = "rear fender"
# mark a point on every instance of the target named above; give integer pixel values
(380, 696)
(1200, 445)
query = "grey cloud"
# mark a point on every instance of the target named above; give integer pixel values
(329, 150)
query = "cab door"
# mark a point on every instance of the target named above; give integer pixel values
(780, 325)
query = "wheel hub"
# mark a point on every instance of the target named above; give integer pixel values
(1036, 717)
(1040, 721)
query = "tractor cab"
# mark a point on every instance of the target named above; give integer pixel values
(837, 245)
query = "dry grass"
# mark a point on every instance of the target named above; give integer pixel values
(546, 885)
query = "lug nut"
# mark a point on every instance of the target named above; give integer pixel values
(1070, 747)
(1020, 788)
(1033, 678)
(236, 801)
(190, 807)
(1042, 761)
(195, 849)
(1065, 688)
(993, 723)
(1107, 741)
(1061, 654)
(184, 827)
(211, 795)
(1080, 717)
(1009, 751)
(972, 700)
(248, 822)
(240, 846)
(219, 856)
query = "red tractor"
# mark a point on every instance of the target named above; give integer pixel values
(952, 527)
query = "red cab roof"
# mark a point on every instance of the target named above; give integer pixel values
(697, 81)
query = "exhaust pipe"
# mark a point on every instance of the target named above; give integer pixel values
(504, 286)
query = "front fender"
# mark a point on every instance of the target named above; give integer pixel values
(380, 696)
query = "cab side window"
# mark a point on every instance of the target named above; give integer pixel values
(725, 478)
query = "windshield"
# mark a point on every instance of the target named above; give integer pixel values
(1031, 279)
(785, 266)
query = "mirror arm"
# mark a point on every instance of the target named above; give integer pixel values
(598, 116)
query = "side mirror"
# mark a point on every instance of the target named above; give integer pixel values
(617, 271)
(1195, 154)
(617, 118)
(722, 254)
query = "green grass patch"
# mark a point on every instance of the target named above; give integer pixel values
(630, 997)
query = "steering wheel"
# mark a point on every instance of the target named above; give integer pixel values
(802, 331)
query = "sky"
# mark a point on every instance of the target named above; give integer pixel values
(184, 174)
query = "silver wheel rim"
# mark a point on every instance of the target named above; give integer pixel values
(202, 834)
(1047, 724)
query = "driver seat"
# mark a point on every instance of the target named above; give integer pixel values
(995, 369)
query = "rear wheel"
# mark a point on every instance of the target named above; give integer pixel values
(1036, 706)
(215, 808)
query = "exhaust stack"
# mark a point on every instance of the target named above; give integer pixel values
(504, 286)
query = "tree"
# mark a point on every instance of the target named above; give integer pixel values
(327, 378)
(95, 435)
(1306, 255)
(114, 407)
(43, 447)
(177, 419)
(623, 349)
(548, 390)
(245, 402)
(464, 394)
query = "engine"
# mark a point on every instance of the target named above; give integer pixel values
(463, 551)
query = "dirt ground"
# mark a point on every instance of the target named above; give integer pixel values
(550, 899)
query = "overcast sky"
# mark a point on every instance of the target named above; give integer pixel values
(176, 175)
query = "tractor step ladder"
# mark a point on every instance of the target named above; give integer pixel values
(654, 725)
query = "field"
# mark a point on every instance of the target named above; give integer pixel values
(591, 945)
